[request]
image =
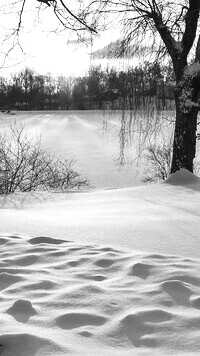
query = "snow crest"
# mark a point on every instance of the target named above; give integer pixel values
(185, 178)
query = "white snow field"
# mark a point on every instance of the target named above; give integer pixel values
(81, 135)
(107, 272)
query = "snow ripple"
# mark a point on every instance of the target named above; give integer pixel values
(62, 298)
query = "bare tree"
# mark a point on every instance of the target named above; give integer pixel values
(172, 29)
(176, 24)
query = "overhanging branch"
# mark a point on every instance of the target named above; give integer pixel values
(91, 29)
(164, 32)
(20, 17)
(72, 14)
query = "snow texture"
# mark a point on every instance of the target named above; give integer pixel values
(110, 272)
(184, 178)
(116, 273)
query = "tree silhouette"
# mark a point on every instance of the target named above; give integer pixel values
(172, 29)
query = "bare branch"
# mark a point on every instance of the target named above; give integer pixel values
(191, 22)
(47, 2)
(197, 57)
(20, 17)
(86, 26)
(164, 32)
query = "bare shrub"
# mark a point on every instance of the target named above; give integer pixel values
(25, 166)
(159, 158)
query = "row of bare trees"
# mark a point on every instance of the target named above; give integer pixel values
(28, 90)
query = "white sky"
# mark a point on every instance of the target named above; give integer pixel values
(44, 50)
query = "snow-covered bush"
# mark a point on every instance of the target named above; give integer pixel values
(26, 166)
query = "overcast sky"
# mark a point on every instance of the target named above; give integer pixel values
(41, 49)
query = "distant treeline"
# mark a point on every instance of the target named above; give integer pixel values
(98, 89)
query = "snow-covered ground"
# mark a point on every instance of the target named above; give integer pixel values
(111, 272)
(81, 135)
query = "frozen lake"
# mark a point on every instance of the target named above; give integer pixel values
(81, 135)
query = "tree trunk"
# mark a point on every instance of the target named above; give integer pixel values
(184, 146)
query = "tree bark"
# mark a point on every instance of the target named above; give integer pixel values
(184, 146)
(187, 86)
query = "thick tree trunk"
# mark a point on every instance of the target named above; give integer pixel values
(184, 146)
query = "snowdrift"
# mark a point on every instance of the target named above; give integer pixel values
(111, 273)
(184, 178)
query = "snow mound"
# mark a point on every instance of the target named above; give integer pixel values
(97, 300)
(27, 345)
(21, 310)
(185, 178)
